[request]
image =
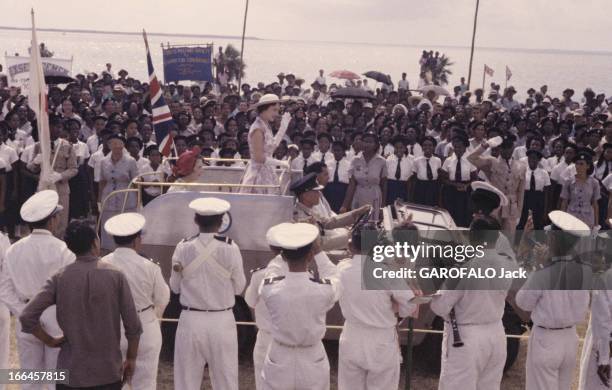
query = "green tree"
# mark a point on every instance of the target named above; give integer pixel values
(234, 66)
(441, 71)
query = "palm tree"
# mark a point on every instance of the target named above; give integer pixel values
(233, 64)
(441, 71)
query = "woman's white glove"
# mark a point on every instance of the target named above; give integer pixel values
(38, 159)
(282, 130)
(277, 163)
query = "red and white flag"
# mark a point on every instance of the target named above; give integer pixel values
(37, 100)
(488, 71)
(508, 73)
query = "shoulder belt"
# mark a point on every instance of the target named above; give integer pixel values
(321, 281)
(258, 269)
(206, 254)
(227, 240)
(273, 280)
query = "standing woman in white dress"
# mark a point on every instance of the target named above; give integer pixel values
(262, 143)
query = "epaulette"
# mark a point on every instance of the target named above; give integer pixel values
(272, 280)
(321, 281)
(227, 240)
(258, 269)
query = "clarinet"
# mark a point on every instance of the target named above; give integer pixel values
(456, 335)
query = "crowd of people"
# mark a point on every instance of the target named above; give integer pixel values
(542, 153)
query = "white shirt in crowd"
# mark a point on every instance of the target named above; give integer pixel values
(406, 167)
(420, 167)
(541, 179)
(450, 165)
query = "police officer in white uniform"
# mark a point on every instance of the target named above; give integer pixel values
(149, 290)
(369, 355)
(297, 304)
(276, 267)
(5, 315)
(28, 264)
(473, 312)
(207, 272)
(558, 300)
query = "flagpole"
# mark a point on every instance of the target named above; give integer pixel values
(246, 11)
(472, 48)
(484, 74)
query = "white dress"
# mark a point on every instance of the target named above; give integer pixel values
(258, 173)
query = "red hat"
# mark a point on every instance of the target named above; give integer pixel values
(186, 162)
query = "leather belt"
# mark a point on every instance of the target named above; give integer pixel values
(145, 309)
(565, 327)
(186, 308)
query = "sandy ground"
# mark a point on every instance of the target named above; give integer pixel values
(421, 379)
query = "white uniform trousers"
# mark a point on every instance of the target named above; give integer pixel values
(551, 358)
(296, 368)
(149, 347)
(479, 363)
(33, 353)
(368, 358)
(262, 344)
(206, 338)
(5, 337)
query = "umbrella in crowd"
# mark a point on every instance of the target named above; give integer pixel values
(352, 93)
(58, 79)
(438, 90)
(345, 74)
(378, 76)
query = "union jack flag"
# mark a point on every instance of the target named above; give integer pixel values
(488, 71)
(162, 118)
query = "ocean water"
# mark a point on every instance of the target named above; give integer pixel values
(266, 58)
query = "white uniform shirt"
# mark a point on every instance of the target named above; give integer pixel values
(28, 264)
(414, 150)
(298, 305)
(144, 277)
(298, 162)
(371, 308)
(343, 169)
(420, 167)
(27, 156)
(9, 155)
(552, 308)
(562, 172)
(92, 143)
(450, 165)
(607, 182)
(326, 157)
(406, 167)
(152, 175)
(519, 152)
(82, 152)
(205, 288)
(551, 162)
(278, 267)
(482, 303)
(541, 179)
(601, 318)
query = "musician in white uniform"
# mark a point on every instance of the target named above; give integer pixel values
(475, 308)
(558, 300)
(28, 264)
(276, 267)
(207, 272)
(369, 355)
(297, 304)
(5, 315)
(149, 290)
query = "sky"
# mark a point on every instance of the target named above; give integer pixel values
(531, 24)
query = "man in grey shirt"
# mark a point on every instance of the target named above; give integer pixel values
(93, 299)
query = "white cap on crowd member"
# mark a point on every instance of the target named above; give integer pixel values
(295, 235)
(41, 205)
(124, 225)
(272, 233)
(209, 206)
(568, 223)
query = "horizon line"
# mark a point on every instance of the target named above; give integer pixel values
(222, 36)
